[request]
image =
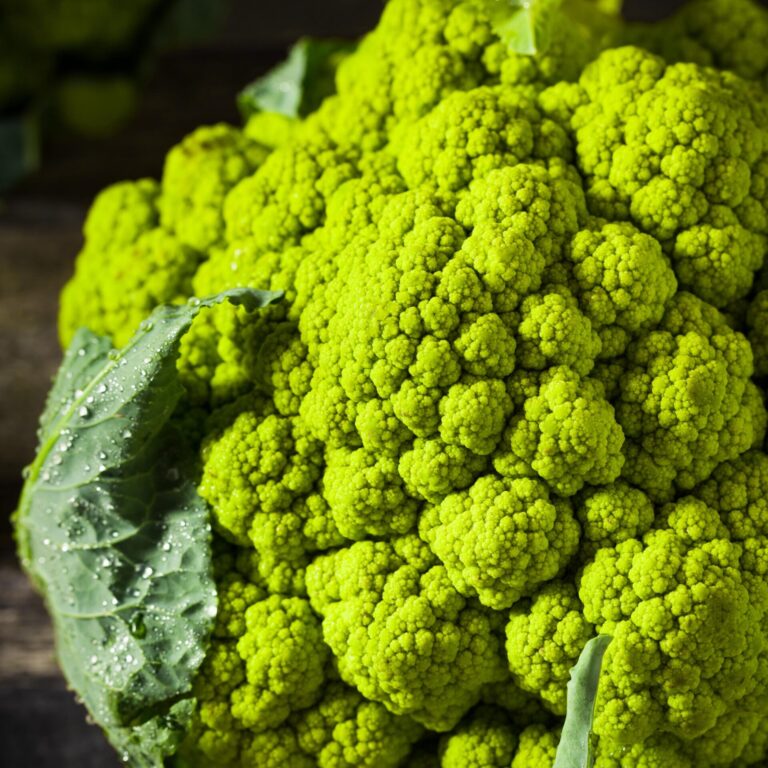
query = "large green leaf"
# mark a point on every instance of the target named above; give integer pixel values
(112, 531)
(298, 85)
(575, 748)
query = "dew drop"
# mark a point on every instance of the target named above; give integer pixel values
(137, 626)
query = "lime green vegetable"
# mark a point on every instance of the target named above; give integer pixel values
(514, 398)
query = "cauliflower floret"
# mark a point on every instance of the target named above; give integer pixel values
(623, 282)
(198, 174)
(544, 639)
(686, 401)
(537, 748)
(567, 434)
(680, 604)
(401, 632)
(500, 538)
(487, 739)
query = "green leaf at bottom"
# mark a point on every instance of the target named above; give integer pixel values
(575, 748)
(111, 529)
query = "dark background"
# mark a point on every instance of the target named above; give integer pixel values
(41, 726)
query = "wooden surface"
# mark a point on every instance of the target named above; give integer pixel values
(41, 725)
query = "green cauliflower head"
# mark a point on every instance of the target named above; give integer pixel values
(514, 398)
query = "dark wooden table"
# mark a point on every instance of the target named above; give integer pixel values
(41, 725)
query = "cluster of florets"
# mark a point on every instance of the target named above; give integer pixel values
(512, 399)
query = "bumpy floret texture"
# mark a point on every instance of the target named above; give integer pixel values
(402, 633)
(538, 746)
(269, 696)
(544, 635)
(512, 398)
(501, 537)
(485, 740)
(727, 34)
(701, 567)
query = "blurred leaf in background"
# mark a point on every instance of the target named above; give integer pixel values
(78, 65)
(19, 147)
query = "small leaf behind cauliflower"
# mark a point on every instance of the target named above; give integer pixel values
(112, 531)
(19, 148)
(298, 85)
(526, 25)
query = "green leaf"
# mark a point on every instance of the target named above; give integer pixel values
(524, 25)
(112, 531)
(19, 148)
(575, 748)
(298, 85)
